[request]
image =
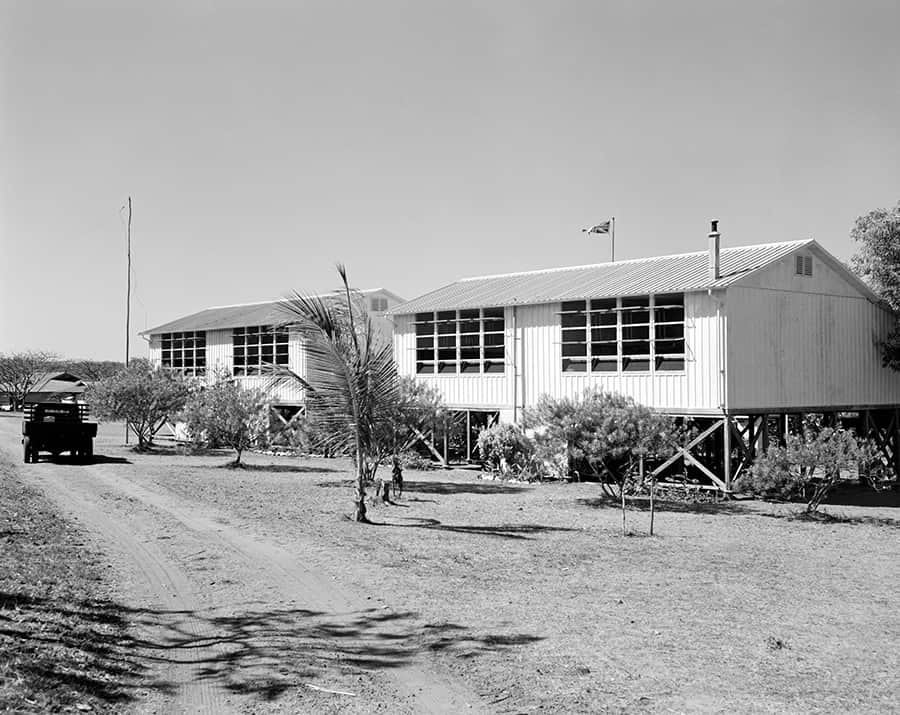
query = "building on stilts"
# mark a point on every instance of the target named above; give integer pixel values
(740, 342)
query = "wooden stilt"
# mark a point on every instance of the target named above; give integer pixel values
(726, 451)
(468, 435)
(896, 442)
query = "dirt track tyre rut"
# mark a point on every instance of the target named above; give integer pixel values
(428, 689)
(129, 517)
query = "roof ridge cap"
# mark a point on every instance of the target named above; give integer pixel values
(561, 269)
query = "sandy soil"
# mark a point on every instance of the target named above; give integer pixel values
(251, 590)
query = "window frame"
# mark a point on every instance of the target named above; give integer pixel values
(266, 341)
(663, 325)
(191, 360)
(446, 341)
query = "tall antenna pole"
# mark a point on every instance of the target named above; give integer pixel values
(128, 303)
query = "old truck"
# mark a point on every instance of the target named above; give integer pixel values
(57, 427)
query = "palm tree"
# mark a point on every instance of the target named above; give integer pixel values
(350, 377)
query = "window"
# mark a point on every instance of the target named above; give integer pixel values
(257, 346)
(804, 266)
(378, 304)
(668, 331)
(604, 336)
(574, 336)
(185, 352)
(628, 334)
(635, 315)
(425, 362)
(462, 342)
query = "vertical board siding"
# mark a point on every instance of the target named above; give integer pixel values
(791, 350)
(694, 389)
(537, 353)
(219, 353)
(463, 391)
(155, 346)
(220, 362)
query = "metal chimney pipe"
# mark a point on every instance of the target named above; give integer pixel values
(714, 235)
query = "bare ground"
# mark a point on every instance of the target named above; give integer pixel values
(249, 591)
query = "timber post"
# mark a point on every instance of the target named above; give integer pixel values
(726, 451)
(896, 443)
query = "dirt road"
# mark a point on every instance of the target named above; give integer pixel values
(232, 621)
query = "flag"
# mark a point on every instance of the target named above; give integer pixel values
(599, 228)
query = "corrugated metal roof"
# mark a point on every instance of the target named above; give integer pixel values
(661, 274)
(239, 316)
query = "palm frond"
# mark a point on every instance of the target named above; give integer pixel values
(350, 372)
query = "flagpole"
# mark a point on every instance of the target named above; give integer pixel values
(612, 239)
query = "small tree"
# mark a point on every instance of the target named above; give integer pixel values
(226, 414)
(351, 375)
(91, 370)
(19, 372)
(607, 435)
(142, 396)
(878, 263)
(807, 467)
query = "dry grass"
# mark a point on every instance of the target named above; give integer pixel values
(531, 594)
(59, 640)
(735, 607)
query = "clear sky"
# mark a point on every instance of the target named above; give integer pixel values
(418, 142)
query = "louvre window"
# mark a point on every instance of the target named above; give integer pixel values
(462, 342)
(804, 265)
(634, 334)
(185, 352)
(378, 304)
(258, 346)
(668, 331)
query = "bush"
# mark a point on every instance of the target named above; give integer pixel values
(603, 434)
(807, 467)
(505, 449)
(226, 414)
(410, 459)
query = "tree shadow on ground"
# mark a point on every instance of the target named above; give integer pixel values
(742, 508)
(862, 495)
(504, 531)
(827, 517)
(65, 649)
(480, 487)
(290, 468)
(80, 462)
(263, 652)
(723, 507)
(271, 468)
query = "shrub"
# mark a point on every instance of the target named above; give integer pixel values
(411, 459)
(226, 414)
(504, 448)
(807, 467)
(603, 434)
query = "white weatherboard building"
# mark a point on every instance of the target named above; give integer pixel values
(731, 338)
(239, 340)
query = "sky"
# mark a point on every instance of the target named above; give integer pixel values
(417, 142)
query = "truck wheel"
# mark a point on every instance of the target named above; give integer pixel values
(26, 444)
(88, 450)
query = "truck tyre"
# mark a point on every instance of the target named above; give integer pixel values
(88, 450)
(26, 448)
